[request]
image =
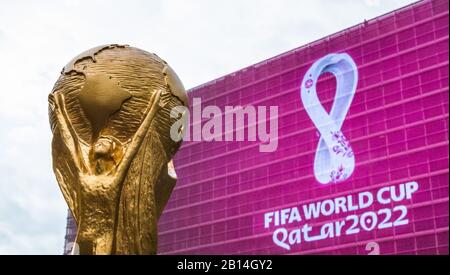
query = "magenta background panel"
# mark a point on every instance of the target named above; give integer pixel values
(397, 124)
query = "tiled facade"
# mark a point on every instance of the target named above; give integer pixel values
(397, 125)
(71, 233)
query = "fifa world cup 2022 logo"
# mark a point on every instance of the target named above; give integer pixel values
(334, 161)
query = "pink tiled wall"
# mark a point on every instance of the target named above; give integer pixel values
(397, 124)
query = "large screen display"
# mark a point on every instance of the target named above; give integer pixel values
(337, 147)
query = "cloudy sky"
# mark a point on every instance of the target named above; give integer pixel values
(201, 39)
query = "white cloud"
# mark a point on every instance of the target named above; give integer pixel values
(201, 39)
(373, 2)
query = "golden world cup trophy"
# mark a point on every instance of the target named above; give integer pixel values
(110, 114)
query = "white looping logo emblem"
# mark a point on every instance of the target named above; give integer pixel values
(334, 161)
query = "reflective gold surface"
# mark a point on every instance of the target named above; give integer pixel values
(112, 151)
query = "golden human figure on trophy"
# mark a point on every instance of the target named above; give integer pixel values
(110, 114)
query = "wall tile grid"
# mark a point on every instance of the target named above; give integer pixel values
(397, 126)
